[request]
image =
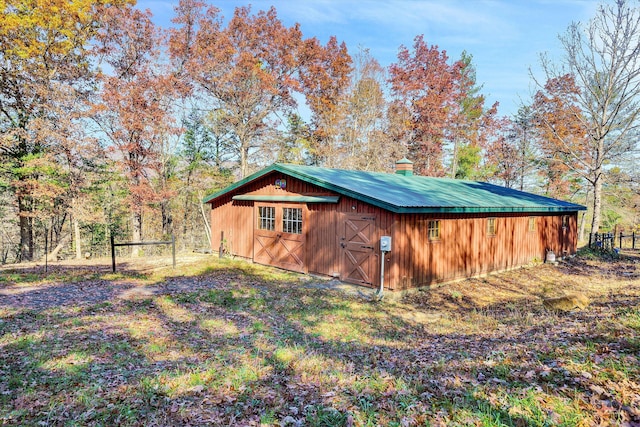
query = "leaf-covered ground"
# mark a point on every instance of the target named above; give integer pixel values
(222, 342)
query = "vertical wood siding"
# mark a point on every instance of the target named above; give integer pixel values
(464, 248)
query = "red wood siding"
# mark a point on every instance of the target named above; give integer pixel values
(235, 220)
(464, 248)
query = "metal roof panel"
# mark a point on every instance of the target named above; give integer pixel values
(414, 193)
(287, 199)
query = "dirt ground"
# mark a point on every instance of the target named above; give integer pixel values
(223, 342)
(137, 265)
(92, 280)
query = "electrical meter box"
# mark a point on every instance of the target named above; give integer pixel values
(385, 244)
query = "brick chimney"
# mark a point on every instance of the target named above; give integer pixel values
(404, 167)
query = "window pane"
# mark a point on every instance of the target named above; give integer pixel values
(491, 226)
(266, 218)
(292, 220)
(434, 230)
(532, 223)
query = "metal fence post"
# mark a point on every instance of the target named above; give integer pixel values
(46, 250)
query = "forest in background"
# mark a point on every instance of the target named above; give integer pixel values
(113, 126)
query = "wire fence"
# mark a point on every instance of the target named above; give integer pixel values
(608, 241)
(10, 251)
(114, 245)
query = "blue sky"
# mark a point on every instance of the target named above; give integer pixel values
(505, 37)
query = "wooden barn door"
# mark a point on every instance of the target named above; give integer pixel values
(357, 245)
(279, 238)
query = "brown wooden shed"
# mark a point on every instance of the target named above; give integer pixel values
(330, 222)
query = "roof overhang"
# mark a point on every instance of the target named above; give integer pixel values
(287, 199)
(483, 210)
(236, 185)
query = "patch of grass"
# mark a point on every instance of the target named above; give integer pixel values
(502, 370)
(187, 298)
(268, 418)
(15, 381)
(321, 416)
(597, 255)
(127, 275)
(220, 297)
(56, 275)
(258, 326)
(71, 364)
(247, 344)
(142, 305)
(173, 311)
(221, 327)
(629, 317)
(15, 278)
(284, 357)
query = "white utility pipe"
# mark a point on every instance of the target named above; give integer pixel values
(381, 290)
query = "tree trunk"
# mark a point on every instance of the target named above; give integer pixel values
(187, 203)
(597, 201)
(244, 159)
(582, 226)
(454, 160)
(76, 238)
(53, 255)
(26, 230)
(583, 219)
(136, 232)
(185, 221)
(76, 230)
(107, 235)
(207, 227)
(167, 218)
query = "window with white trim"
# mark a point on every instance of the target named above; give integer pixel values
(434, 229)
(266, 218)
(491, 226)
(292, 220)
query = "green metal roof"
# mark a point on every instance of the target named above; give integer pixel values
(287, 199)
(413, 193)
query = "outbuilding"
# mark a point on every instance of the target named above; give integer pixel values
(418, 230)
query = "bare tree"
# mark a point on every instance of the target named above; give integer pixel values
(367, 147)
(603, 58)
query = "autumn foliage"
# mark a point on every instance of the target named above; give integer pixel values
(113, 126)
(45, 71)
(135, 107)
(423, 82)
(562, 133)
(247, 73)
(439, 104)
